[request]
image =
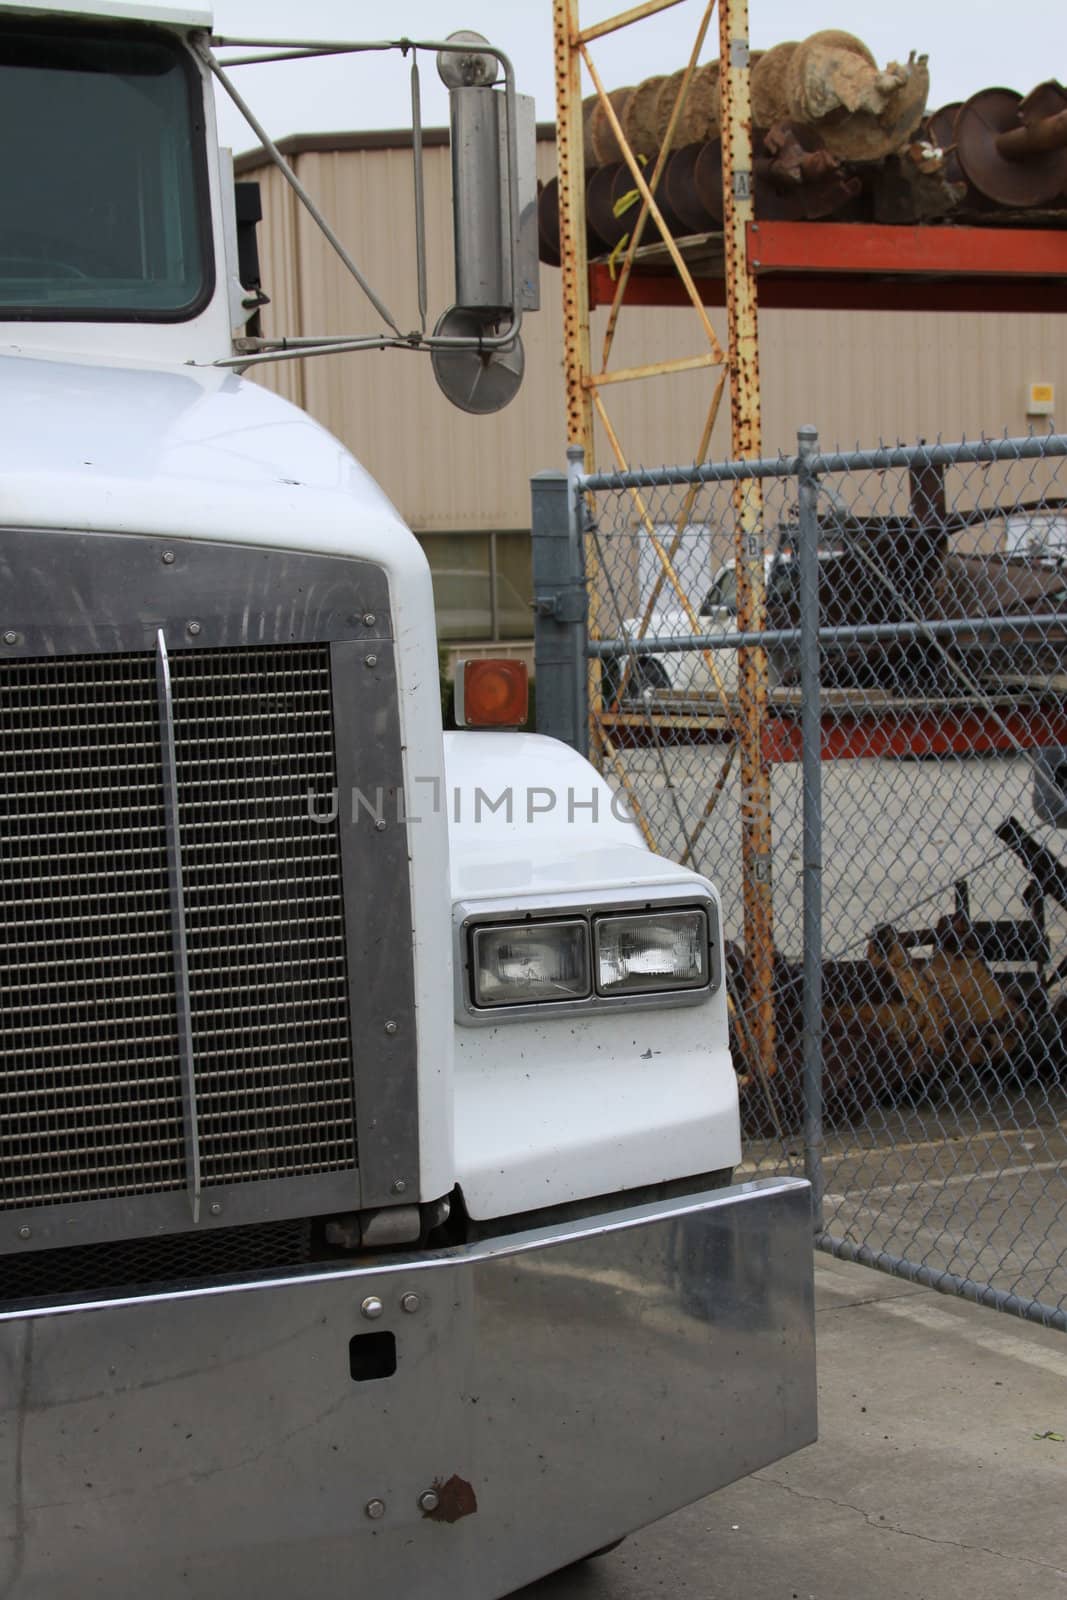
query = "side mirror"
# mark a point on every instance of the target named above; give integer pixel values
(475, 347)
(248, 203)
(493, 265)
(494, 228)
(241, 211)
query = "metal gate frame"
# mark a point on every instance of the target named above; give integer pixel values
(562, 522)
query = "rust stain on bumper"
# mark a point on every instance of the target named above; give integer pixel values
(455, 1499)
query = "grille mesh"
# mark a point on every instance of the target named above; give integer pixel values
(264, 914)
(90, 1096)
(91, 1082)
(136, 1265)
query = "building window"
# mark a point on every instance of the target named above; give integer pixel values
(482, 584)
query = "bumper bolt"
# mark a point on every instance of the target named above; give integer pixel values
(372, 1309)
(429, 1500)
(370, 661)
(167, 558)
(375, 1509)
(193, 628)
(410, 1303)
(11, 637)
(25, 1233)
(369, 619)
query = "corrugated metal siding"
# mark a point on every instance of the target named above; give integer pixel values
(861, 376)
(444, 469)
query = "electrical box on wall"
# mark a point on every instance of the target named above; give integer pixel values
(1040, 399)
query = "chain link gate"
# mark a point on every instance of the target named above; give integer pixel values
(899, 1028)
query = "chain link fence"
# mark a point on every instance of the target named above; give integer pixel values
(837, 685)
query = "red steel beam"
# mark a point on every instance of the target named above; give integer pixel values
(781, 292)
(852, 266)
(842, 247)
(855, 736)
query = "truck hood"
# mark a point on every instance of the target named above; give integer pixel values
(528, 816)
(199, 454)
(177, 452)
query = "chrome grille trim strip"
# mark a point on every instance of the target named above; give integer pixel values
(177, 900)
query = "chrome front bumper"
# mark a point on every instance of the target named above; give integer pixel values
(554, 1389)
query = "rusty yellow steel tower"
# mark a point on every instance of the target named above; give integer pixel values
(588, 392)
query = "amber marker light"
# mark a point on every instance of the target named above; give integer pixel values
(492, 694)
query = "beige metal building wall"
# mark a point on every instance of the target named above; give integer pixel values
(860, 376)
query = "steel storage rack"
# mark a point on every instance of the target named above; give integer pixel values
(1001, 151)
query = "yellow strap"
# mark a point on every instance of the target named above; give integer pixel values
(613, 259)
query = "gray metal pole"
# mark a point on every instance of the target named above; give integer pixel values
(560, 605)
(969, 629)
(579, 603)
(811, 777)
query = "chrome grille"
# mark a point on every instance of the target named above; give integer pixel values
(264, 914)
(90, 1096)
(91, 1091)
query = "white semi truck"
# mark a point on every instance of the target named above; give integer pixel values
(367, 1119)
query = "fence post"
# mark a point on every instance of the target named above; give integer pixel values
(811, 778)
(560, 605)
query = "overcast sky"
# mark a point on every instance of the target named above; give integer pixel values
(971, 44)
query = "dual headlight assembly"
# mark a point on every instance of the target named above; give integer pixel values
(599, 958)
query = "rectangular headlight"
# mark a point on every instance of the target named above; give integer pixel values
(521, 964)
(653, 951)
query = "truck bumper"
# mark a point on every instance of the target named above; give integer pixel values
(554, 1389)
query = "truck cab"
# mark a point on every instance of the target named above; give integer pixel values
(368, 1120)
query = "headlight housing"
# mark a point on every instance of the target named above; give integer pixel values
(651, 952)
(585, 957)
(530, 963)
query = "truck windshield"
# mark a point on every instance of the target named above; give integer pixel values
(102, 194)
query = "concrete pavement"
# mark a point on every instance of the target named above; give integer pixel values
(931, 1479)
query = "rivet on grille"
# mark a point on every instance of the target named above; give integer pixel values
(370, 661)
(193, 628)
(409, 1302)
(372, 1308)
(429, 1500)
(375, 1509)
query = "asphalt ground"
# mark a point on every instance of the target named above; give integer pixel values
(993, 1210)
(978, 1193)
(937, 1475)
